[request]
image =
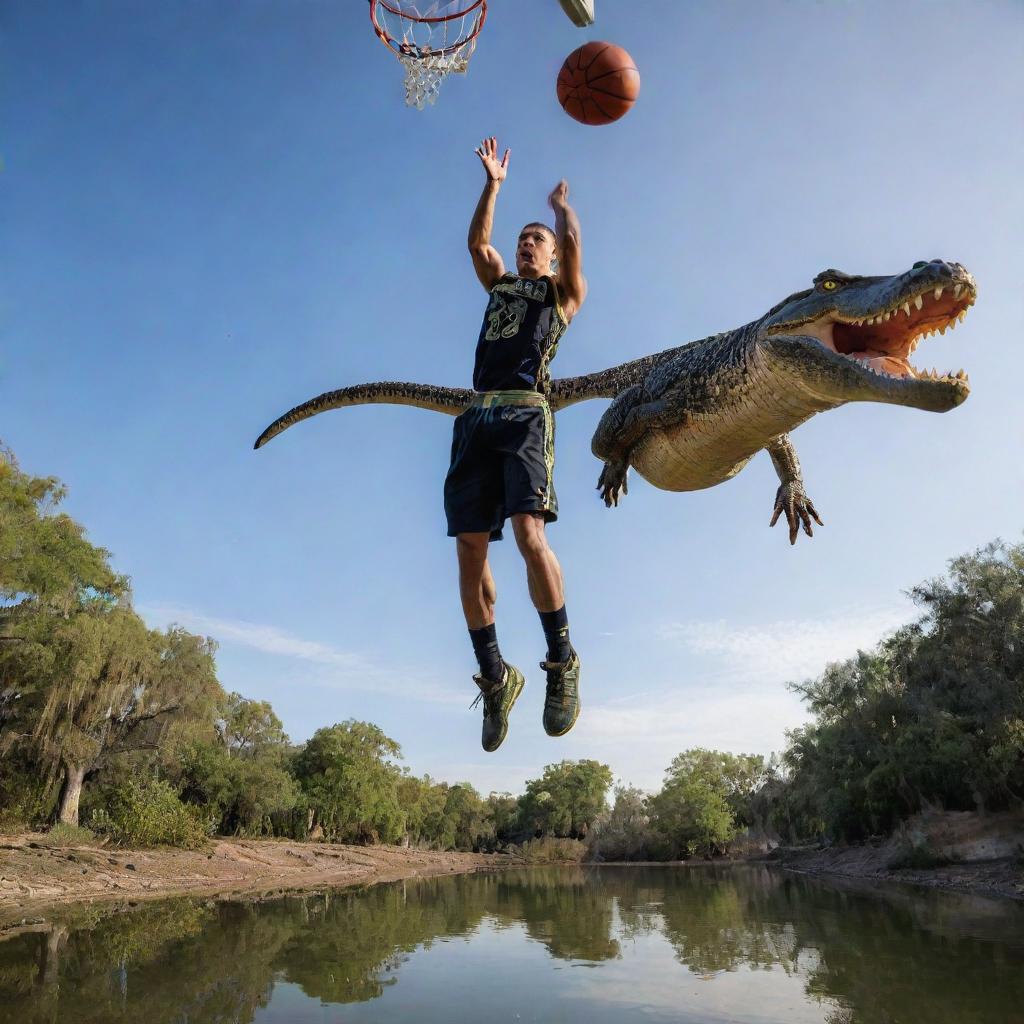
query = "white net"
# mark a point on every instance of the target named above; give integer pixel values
(424, 75)
(431, 39)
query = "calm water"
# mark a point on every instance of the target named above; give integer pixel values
(588, 945)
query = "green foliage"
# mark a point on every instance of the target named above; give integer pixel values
(567, 799)
(45, 561)
(706, 793)
(67, 835)
(934, 715)
(623, 833)
(242, 777)
(148, 812)
(551, 850)
(25, 798)
(351, 784)
(503, 810)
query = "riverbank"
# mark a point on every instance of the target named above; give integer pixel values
(953, 850)
(35, 876)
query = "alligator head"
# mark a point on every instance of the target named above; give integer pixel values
(850, 338)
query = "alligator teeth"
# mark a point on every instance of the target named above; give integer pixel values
(962, 316)
(887, 316)
(906, 308)
(938, 291)
(918, 301)
(957, 290)
(942, 329)
(960, 373)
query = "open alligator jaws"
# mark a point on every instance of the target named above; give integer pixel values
(693, 416)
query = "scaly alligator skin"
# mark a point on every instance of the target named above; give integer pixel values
(693, 416)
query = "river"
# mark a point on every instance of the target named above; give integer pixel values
(593, 944)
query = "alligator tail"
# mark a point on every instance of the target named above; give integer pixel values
(605, 383)
(423, 396)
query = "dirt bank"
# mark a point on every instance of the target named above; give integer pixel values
(958, 850)
(34, 876)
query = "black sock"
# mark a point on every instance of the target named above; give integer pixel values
(485, 647)
(556, 630)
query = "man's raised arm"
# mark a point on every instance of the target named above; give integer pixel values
(571, 282)
(487, 261)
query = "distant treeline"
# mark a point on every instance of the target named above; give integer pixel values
(107, 724)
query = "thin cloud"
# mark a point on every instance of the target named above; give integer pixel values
(788, 649)
(340, 669)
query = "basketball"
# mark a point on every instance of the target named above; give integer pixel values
(598, 83)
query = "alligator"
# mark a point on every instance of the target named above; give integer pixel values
(693, 416)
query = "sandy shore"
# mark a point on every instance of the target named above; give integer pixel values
(34, 876)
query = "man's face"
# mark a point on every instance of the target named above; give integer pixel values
(534, 252)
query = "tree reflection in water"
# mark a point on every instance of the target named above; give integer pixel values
(865, 959)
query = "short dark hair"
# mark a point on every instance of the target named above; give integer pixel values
(543, 227)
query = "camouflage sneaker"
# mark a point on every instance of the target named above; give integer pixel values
(562, 703)
(498, 699)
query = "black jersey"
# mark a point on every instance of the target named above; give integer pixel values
(520, 333)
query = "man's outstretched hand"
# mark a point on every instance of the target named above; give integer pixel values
(488, 152)
(559, 195)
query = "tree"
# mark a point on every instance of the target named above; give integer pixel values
(567, 799)
(622, 833)
(45, 561)
(242, 775)
(934, 715)
(105, 685)
(350, 782)
(705, 793)
(503, 809)
(467, 818)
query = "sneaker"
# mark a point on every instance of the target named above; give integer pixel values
(562, 703)
(498, 699)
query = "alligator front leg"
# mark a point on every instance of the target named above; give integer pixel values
(622, 426)
(790, 497)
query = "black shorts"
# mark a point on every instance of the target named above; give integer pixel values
(503, 456)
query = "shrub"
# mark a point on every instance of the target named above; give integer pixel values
(149, 813)
(918, 855)
(548, 850)
(68, 835)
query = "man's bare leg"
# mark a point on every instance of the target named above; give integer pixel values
(500, 683)
(479, 594)
(476, 583)
(562, 700)
(543, 573)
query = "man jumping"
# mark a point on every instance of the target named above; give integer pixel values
(503, 447)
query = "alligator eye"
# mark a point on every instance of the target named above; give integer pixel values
(919, 264)
(828, 285)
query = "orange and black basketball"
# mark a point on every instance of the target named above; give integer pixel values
(598, 83)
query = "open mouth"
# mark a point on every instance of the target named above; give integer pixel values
(884, 341)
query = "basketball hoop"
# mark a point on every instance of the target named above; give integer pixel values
(431, 44)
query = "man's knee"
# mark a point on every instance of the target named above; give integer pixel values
(530, 537)
(471, 548)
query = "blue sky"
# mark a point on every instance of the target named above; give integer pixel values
(212, 212)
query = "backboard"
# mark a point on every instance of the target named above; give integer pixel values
(580, 11)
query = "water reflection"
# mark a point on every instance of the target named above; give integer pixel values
(771, 946)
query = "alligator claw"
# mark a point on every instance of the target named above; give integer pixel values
(799, 509)
(612, 481)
